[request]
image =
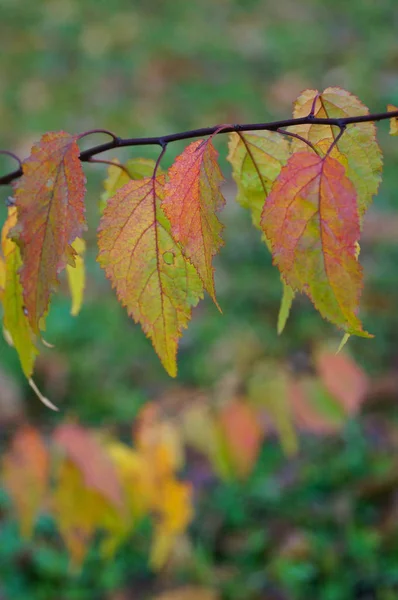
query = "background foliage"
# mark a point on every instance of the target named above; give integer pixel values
(294, 528)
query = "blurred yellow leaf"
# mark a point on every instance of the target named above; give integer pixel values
(77, 277)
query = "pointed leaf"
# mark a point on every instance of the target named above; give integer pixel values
(358, 143)
(286, 304)
(77, 276)
(256, 159)
(15, 320)
(311, 220)
(49, 198)
(25, 475)
(152, 278)
(192, 198)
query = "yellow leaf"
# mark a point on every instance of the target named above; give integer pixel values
(393, 121)
(15, 319)
(77, 277)
(174, 510)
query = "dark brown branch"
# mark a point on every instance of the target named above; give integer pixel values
(162, 141)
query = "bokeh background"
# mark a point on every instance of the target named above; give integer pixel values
(324, 523)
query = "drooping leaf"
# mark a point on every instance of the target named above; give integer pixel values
(311, 220)
(358, 144)
(97, 469)
(25, 475)
(192, 198)
(393, 121)
(256, 159)
(15, 320)
(286, 304)
(49, 198)
(77, 276)
(153, 279)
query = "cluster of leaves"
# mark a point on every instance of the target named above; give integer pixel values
(118, 486)
(307, 189)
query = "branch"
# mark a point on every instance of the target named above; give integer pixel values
(162, 141)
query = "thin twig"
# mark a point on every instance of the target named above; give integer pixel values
(117, 142)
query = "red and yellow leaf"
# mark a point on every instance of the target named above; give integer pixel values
(311, 220)
(256, 159)
(192, 198)
(25, 475)
(14, 318)
(80, 511)
(50, 202)
(97, 469)
(358, 144)
(153, 279)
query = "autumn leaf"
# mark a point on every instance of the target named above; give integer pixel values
(393, 121)
(358, 143)
(256, 159)
(14, 318)
(77, 276)
(25, 475)
(80, 511)
(83, 449)
(49, 198)
(192, 198)
(343, 378)
(311, 220)
(173, 508)
(153, 279)
(242, 433)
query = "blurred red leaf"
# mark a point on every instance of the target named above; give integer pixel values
(243, 434)
(343, 378)
(25, 475)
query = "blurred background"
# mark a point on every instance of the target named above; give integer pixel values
(319, 523)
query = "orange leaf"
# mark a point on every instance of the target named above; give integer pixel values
(87, 454)
(192, 197)
(25, 475)
(153, 279)
(311, 220)
(49, 198)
